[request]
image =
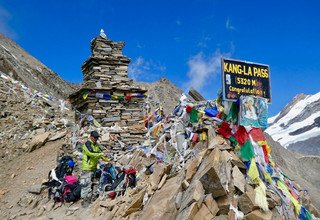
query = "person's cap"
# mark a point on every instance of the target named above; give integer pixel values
(95, 134)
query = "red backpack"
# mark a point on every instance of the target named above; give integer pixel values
(72, 189)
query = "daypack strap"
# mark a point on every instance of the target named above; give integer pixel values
(88, 145)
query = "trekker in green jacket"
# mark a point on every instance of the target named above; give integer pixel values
(91, 153)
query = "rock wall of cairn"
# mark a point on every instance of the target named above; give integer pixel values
(106, 67)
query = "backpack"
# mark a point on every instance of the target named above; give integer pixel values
(56, 179)
(61, 169)
(71, 190)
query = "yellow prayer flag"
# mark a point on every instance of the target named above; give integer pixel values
(253, 172)
(85, 96)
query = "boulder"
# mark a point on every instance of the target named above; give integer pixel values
(212, 175)
(221, 217)
(224, 204)
(178, 200)
(246, 200)
(259, 215)
(163, 180)
(215, 142)
(185, 184)
(35, 189)
(38, 141)
(238, 179)
(211, 204)
(194, 193)
(236, 161)
(203, 213)
(58, 136)
(200, 146)
(211, 133)
(191, 168)
(156, 176)
(188, 213)
(273, 199)
(161, 205)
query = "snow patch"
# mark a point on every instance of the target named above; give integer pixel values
(5, 48)
(273, 118)
(14, 57)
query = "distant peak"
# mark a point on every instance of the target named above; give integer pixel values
(164, 80)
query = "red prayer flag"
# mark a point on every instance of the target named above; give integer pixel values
(241, 135)
(257, 134)
(265, 152)
(225, 130)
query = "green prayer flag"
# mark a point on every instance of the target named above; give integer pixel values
(194, 116)
(286, 176)
(233, 141)
(246, 151)
(309, 217)
(233, 113)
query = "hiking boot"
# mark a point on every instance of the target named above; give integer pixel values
(94, 197)
(85, 203)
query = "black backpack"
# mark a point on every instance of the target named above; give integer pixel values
(61, 170)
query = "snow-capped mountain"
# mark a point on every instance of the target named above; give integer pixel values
(297, 126)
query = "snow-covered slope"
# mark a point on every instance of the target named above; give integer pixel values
(297, 126)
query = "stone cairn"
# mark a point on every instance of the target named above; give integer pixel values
(108, 98)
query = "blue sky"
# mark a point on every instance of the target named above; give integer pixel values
(180, 40)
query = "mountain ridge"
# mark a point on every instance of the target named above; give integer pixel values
(297, 126)
(22, 66)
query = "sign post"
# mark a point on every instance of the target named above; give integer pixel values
(245, 78)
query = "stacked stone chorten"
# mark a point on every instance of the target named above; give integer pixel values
(107, 95)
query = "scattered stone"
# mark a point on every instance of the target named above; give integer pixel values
(50, 206)
(35, 189)
(71, 210)
(3, 192)
(41, 211)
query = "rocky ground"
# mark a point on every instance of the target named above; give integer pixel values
(35, 131)
(28, 119)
